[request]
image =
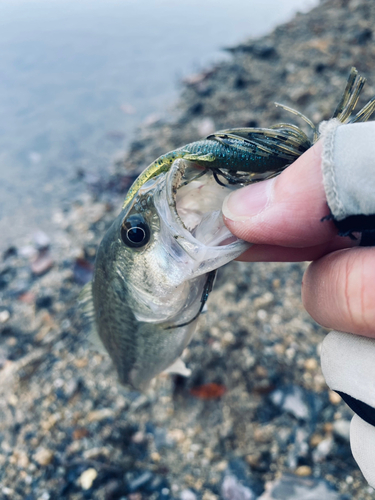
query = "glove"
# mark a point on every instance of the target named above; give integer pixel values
(348, 364)
(348, 361)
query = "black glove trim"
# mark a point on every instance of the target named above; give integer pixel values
(363, 410)
(364, 224)
(367, 239)
(354, 224)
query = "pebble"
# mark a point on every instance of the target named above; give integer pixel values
(292, 400)
(322, 450)
(41, 264)
(87, 478)
(187, 495)
(155, 456)
(341, 429)
(98, 415)
(133, 496)
(263, 301)
(41, 240)
(290, 487)
(43, 456)
(4, 316)
(208, 495)
(228, 339)
(221, 466)
(44, 302)
(303, 470)
(83, 271)
(28, 252)
(140, 481)
(334, 398)
(311, 364)
(284, 347)
(232, 489)
(10, 252)
(206, 126)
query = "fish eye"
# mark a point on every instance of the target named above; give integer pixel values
(135, 232)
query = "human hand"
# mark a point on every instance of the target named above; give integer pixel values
(282, 217)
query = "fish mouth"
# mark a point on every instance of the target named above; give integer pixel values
(191, 208)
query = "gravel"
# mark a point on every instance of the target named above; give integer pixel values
(255, 419)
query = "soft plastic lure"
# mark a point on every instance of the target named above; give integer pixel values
(245, 155)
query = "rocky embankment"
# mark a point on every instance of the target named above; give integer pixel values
(255, 420)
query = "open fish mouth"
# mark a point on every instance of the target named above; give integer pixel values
(191, 205)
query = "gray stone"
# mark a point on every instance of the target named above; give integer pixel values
(187, 495)
(290, 487)
(292, 400)
(341, 429)
(232, 489)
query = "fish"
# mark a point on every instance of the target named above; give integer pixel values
(156, 264)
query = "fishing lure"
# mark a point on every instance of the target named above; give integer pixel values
(245, 155)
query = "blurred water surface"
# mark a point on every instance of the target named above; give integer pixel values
(76, 77)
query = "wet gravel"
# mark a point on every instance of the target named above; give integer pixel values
(255, 420)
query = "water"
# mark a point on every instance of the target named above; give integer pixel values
(76, 77)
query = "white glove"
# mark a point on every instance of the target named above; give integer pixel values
(348, 364)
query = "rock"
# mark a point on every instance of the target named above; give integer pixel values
(290, 487)
(28, 252)
(322, 450)
(300, 449)
(4, 316)
(208, 495)
(87, 478)
(188, 495)
(140, 481)
(341, 429)
(303, 471)
(41, 240)
(112, 490)
(83, 271)
(133, 496)
(44, 302)
(41, 264)
(232, 489)
(311, 364)
(98, 415)
(292, 400)
(7, 274)
(334, 398)
(10, 252)
(43, 456)
(206, 126)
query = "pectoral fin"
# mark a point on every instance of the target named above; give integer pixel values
(86, 304)
(178, 368)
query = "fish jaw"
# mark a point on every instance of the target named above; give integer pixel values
(193, 216)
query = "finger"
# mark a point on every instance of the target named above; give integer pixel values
(286, 210)
(273, 253)
(338, 291)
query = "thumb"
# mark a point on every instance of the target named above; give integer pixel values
(286, 210)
